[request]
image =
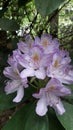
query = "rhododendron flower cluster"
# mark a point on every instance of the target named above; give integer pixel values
(40, 59)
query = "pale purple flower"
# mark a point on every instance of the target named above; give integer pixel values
(13, 59)
(15, 84)
(48, 44)
(50, 96)
(25, 46)
(34, 63)
(60, 68)
(40, 58)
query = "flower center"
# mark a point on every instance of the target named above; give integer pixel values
(30, 45)
(51, 88)
(16, 72)
(45, 43)
(56, 64)
(36, 57)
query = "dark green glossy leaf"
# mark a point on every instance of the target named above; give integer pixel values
(8, 25)
(45, 7)
(67, 118)
(6, 101)
(54, 123)
(26, 119)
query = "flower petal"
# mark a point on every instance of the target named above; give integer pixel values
(9, 73)
(12, 86)
(20, 94)
(59, 108)
(41, 107)
(29, 72)
(40, 74)
(55, 102)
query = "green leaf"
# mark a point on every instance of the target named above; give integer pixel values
(47, 6)
(67, 118)
(26, 119)
(54, 123)
(8, 25)
(6, 101)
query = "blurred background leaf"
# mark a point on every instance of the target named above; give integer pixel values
(8, 25)
(46, 7)
(6, 101)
